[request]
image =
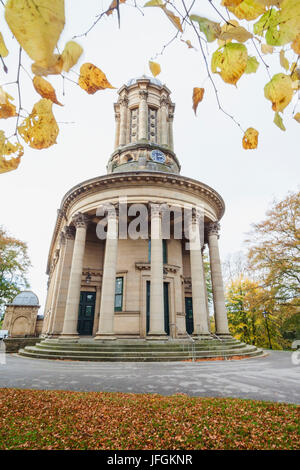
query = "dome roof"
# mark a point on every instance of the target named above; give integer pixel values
(153, 80)
(27, 297)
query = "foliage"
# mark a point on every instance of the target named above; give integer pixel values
(36, 419)
(14, 263)
(228, 48)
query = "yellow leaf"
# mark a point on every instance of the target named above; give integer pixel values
(7, 109)
(3, 49)
(92, 79)
(197, 97)
(283, 60)
(248, 10)
(238, 33)
(279, 91)
(45, 89)
(252, 65)
(188, 43)
(53, 66)
(40, 129)
(278, 121)
(37, 25)
(154, 3)
(297, 117)
(250, 139)
(296, 44)
(154, 68)
(231, 3)
(173, 18)
(113, 6)
(8, 149)
(211, 29)
(70, 55)
(224, 29)
(266, 49)
(231, 63)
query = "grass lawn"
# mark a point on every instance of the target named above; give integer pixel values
(34, 419)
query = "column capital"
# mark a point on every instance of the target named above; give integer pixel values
(171, 116)
(213, 228)
(155, 209)
(117, 116)
(80, 220)
(62, 238)
(164, 101)
(69, 232)
(123, 101)
(143, 94)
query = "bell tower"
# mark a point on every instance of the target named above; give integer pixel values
(144, 128)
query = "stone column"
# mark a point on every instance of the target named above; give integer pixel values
(171, 140)
(71, 314)
(197, 278)
(107, 307)
(57, 282)
(117, 136)
(217, 280)
(67, 240)
(143, 115)
(205, 288)
(123, 120)
(157, 326)
(164, 121)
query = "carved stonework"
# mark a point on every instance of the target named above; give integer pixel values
(143, 94)
(164, 101)
(62, 238)
(171, 116)
(69, 232)
(117, 116)
(213, 228)
(187, 284)
(168, 268)
(123, 101)
(80, 220)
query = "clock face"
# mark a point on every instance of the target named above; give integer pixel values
(158, 156)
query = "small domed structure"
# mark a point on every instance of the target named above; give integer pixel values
(152, 80)
(27, 297)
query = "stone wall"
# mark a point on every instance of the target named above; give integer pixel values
(14, 344)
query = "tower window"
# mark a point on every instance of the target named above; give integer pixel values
(134, 124)
(119, 294)
(152, 125)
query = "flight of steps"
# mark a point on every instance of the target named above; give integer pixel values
(139, 350)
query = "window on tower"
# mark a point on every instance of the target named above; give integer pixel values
(152, 125)
(134, 124)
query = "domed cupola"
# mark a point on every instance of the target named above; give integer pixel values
(144, 128)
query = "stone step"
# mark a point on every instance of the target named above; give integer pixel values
(122, 349)
(139, 358)
(142, 346)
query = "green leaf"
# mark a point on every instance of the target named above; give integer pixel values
(278, 121)
(211, 29)
(252, 65)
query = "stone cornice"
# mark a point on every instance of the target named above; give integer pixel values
(144, 146)
(170, 268)
(136, 178)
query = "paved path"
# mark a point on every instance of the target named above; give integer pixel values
(272, 378)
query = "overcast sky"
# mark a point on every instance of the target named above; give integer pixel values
(208, 146)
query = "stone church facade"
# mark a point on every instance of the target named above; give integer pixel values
(151, 287)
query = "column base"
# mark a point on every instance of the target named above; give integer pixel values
(224, 335)
(199, 336)
(105, 336)
(66, 337)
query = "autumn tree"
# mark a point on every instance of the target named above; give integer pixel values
(14, 264)
(233, 42)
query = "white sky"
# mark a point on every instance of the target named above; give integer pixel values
(208, 147)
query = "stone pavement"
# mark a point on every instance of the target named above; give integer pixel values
(273, 377)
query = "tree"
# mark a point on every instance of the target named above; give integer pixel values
(274, 250)
(14, 264)
(230, 46)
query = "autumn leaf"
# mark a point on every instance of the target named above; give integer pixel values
(279, 91)
(250, 139)
(297, 117)
(198, 94)
(252, 65)
(231, 63)
(3, 49)
(40, 129)
(175, 20)
(283, 60)
(296, 44)
(36, 25)
(278, 121)
(188, 43)
(92, 79)
(281, 26)
(45, 89)
(266, 49)
(155, 68)
(211, 29)
(7, 109)
(247, 10)
(70, 55)
(113, 6)
(53, 66)
(231, 3)
(8, 149)
(238, 33)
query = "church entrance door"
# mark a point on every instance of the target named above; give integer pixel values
(166, 307)
(86, 313)
(189, 320)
